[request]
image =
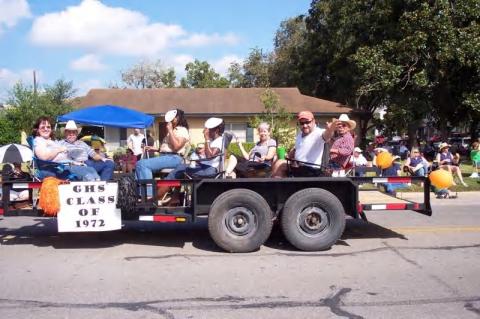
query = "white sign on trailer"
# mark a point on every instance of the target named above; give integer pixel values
(88, 207)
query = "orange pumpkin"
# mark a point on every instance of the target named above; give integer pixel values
(384, 160)
(441, 179)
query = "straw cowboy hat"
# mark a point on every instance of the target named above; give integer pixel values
(345, 119)
(443, 145)
(72, 126)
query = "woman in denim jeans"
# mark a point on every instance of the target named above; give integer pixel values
(171, 150)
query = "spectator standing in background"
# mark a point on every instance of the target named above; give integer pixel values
(134, 142)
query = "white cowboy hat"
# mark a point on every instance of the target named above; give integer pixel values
(72, 126)
(357, 149)
(170, 115)
(213, 122)
(345, 119)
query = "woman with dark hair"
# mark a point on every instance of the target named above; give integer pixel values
(45, 147)
(172, 148)
(213, 134)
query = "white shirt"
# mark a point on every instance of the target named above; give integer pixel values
(179, 131)
(359, 161)
(309, 148)
(217, 143)
(136, 142)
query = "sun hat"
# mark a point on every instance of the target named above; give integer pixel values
(345, 119)
(213, 122)
(305, 115)
(170, 115)
(443, 145)
(357, 149)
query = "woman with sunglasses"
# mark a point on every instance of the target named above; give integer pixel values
(416, 164)
(46, 148)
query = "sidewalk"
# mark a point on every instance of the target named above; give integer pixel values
(466, 198)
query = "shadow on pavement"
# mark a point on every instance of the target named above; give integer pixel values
(43, 233)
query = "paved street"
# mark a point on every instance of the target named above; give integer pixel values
(400, 265)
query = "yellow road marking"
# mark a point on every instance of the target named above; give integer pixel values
(434, 229)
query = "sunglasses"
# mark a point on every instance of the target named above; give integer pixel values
(304, 123)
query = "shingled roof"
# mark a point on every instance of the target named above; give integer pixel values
(227, 101)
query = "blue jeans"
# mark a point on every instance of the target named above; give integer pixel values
(104, 169)
(420, 172)
(146, 167)
(84, 173)
(199, 170)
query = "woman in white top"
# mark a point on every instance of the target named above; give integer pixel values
(171, 150)
(213, 134)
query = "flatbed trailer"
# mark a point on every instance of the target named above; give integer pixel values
(241, 212)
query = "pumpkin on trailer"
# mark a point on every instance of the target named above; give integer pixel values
(384, 160)
(441, 178)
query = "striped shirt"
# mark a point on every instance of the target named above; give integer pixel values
(78, 151)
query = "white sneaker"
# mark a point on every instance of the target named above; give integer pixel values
(474, 175)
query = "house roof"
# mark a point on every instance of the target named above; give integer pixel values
(205, 102)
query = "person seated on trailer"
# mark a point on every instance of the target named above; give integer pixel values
(309, 145)
(447, 161)
(260, 156)
(416, 164)
(198, 153)
(128, 161)
(86, 163)
(358, 161)
(172, 149)
(207, 167)
(47, 150)
(213, 134)
(342, 145)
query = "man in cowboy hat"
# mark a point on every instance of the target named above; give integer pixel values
(79, 152)
(342, 144)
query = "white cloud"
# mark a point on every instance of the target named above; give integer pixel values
(221, 65)
(201, 39)
(99, 28)
(9, 78)
(11, 11)
(89, 62)
(84, 87)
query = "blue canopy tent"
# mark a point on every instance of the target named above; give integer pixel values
(109, 115)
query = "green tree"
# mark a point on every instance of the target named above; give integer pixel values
(201, 75)
(235, 75)
(256, 69)
(278, 117)
(26, 106)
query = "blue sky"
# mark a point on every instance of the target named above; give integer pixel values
(90, 41)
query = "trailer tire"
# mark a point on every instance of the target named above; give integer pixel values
(127, 196)
(240, 220)
(313, 219)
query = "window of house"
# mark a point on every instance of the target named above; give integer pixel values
(239, 129)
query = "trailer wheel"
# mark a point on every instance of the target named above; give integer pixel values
(240, 220)
(313, 219)
(127, 196)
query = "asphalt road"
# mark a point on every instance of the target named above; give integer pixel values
(400, 265)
